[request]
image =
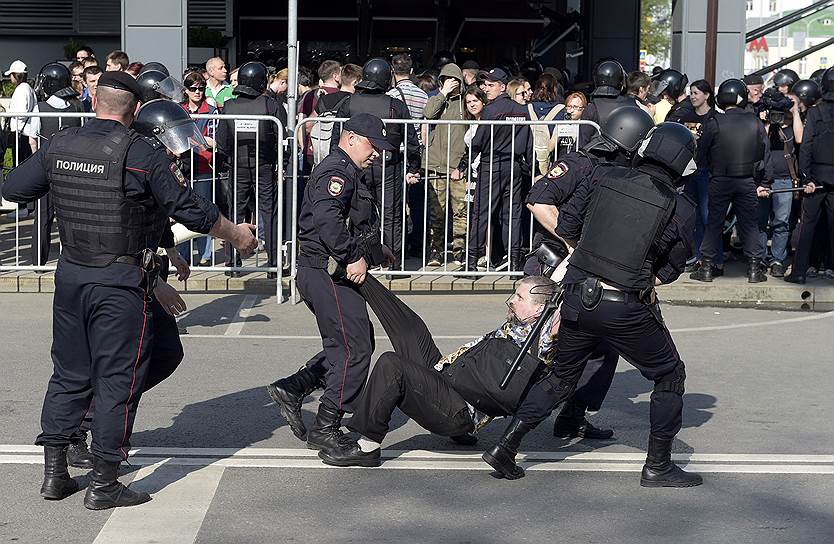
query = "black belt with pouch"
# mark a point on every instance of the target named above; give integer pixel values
(591, 293)
(147, 260)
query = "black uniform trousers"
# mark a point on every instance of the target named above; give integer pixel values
(267, 191)
(389, 196)
(406, 378)
(166, 356)
(632, 331)
(102, 337)
(346, 333)
(44, 218)
(506, 183)
(741, 192)
(812, 209)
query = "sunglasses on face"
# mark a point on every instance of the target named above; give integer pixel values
(197, 89)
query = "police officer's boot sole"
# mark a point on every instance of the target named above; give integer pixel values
(57, 483)
(503, 462)
(290, 409)
(673, 476)
(352, 456)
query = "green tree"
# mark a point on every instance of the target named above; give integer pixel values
(656, 29)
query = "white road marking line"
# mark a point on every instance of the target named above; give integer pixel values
(475, 335)
(181, 499)
(597, 461)
(239, 320)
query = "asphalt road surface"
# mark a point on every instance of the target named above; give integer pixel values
(223, 467)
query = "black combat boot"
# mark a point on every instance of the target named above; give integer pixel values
(571, 423)
(705, 272)
(78, 455)
(755, 271)
(57, 483)
(105, 491)
(289, 393)
(326, 432)
(468, 439)
(660, 471)
(349, 454)
(501, 457)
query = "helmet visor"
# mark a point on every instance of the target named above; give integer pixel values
(181, 137)
(170, 88)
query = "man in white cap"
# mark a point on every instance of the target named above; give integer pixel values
(23, 101)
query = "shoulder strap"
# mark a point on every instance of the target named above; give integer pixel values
(532, 112)
(554, 111)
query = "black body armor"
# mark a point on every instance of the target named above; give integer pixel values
(737, 148)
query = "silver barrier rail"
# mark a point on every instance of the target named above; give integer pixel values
(502, 175)
(223, 189)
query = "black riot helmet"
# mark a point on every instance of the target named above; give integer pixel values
(442, 58)
(158, 66)
(531, 71)
(55, 79)
(626, 127)
(156, 84)
(169, 123)
(609, 78)
(828, 84)
(817, 76)
(672, 145)
(376, 75)
(808, 91)
(785, 77)
(671, 82)
(251, 79)
(732, 92)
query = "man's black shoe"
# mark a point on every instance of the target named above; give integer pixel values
(501, 457)
(78, 455)
(468, 439)
(660, 471)
(350, 454)
(289, 393)
(756, 271)
(326, 432)
(705, 272)
(105, 491)
(777, 270)
(571, 428)
(57, 483)
(795, 278)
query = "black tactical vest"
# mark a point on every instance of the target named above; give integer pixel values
(737, 147)
(96, 221)
(606, 105)
(823, 146)
(626, 216)
(51, 125)
(382, 106)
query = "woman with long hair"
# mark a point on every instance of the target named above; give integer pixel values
(702, 97)
(519, 90)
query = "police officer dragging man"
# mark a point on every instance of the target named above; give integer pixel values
(734, 145)
(56, 95)
(114, 191)
(253, 146)
(338, 224)
(631, 230)
(385, 177)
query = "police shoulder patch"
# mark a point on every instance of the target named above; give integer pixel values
(335, 186)
(558, 170)
(177, 174)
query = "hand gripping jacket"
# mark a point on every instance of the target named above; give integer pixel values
(737, 147)
(96, 221)
(626, 216)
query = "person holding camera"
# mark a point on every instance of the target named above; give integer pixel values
(816, 162)
(733, 145)
(338, 221)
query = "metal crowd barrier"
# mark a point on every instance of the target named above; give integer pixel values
(223, 191)
(488, 171)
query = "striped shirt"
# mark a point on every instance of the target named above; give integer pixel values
(414, 97)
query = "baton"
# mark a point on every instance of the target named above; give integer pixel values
(789, 190)
(551, 306)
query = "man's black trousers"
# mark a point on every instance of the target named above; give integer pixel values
(741, 192)
(498, 184)
(389, 194)
(267, 194)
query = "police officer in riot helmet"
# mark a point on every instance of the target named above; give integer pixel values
(609, 294)
(816, 164)
(808, 92)
(671, 87)
(156, 84)
(56, 95)
(113, 191)
(370, 98)
(816, 75)
(620, 137)
(158, 66)
(256, 155)
(609, 85)
(784, 80)
(734, 145)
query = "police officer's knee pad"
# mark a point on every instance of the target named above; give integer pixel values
(673, 381)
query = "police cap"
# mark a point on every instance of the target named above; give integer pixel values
(372, 128)
(121, 81)
(496, 74)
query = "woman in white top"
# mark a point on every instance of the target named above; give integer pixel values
(23, 101)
